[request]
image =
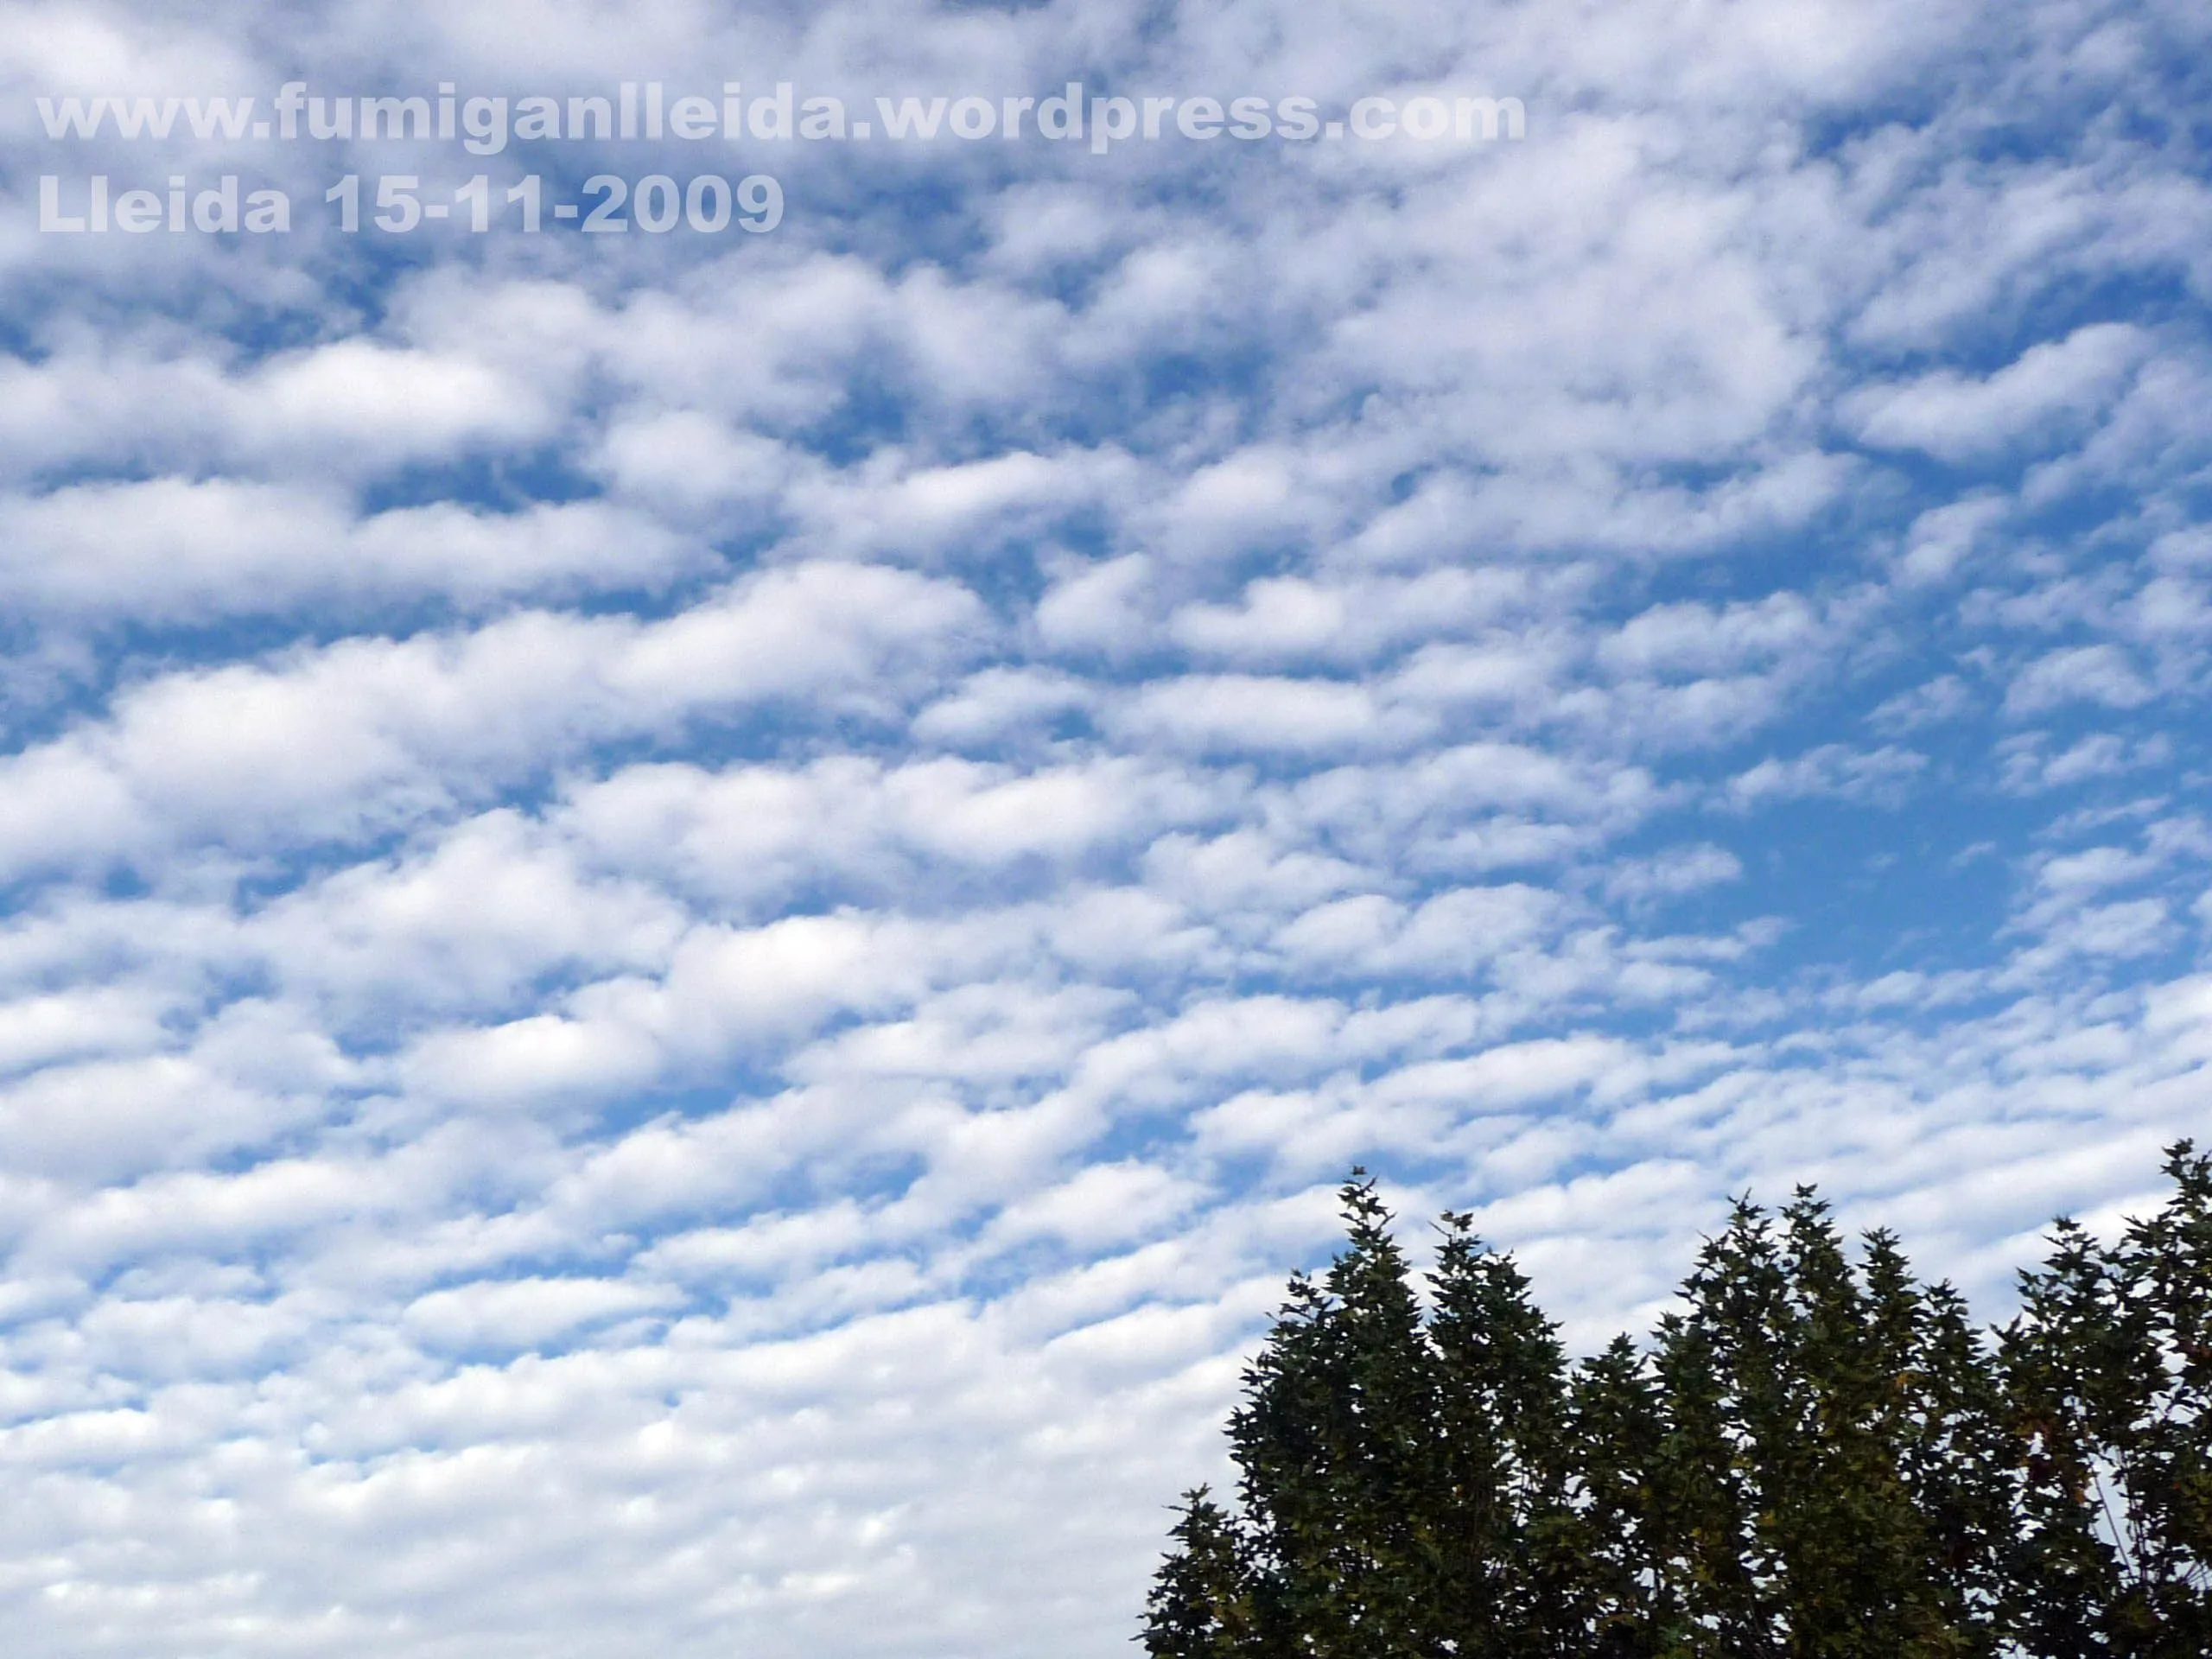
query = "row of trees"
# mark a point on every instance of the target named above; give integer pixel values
(1819, 1456)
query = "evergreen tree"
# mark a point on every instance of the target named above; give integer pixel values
(1337, 1444)
(1829, 1454)
(1631, 1507)
(1201, 1604)
(1815, 1458)
(2109, 1374)
(1510, 1541)
(1404, 1480)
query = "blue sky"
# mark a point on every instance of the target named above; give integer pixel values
(693, 923)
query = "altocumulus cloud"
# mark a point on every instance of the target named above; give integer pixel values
(693, 922)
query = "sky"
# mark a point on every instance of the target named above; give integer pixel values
(692, 921)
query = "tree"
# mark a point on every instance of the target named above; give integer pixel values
(1337, 1440)
(1404, 1477)
(2108, 1374)
(1826, 1471)
(1816, 1456)
(1201, 1605)
(1511, 1538)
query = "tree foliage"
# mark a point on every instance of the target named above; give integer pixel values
(1815, 1456)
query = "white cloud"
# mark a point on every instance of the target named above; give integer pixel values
(518, 1313)
(2099, 674)
(1233, 713)
(1096, 608)
(1675, 871)
(353, 739)
(2052, 387)
(1879, 776)
(1935, 702)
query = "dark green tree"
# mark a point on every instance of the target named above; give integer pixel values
(1201, 1604)
(1510, 1542)
(1404, 1484)
(1816, 1456)
(1336, 1443)
(1827, 1477)
(2108, 1371)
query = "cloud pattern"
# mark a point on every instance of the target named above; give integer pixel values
(691, 928)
